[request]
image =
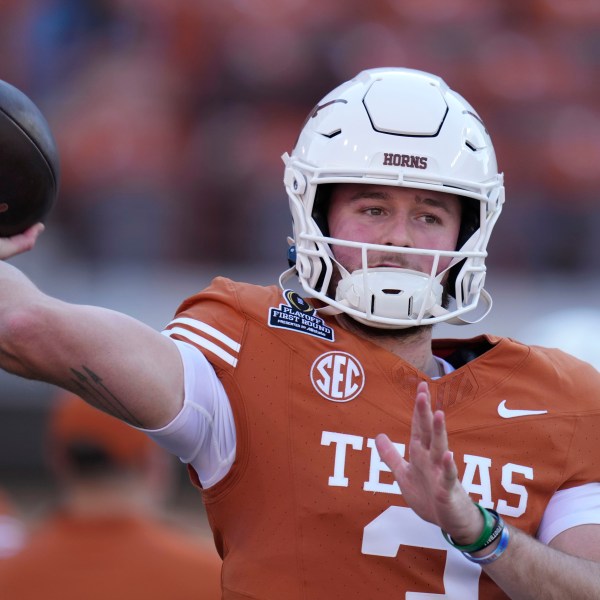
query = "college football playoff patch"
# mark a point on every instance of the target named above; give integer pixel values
(298, 315)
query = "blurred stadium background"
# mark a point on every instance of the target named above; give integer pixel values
(171, 117)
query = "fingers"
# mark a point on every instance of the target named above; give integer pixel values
(429, 478)
(422, 420)
(428, 440)
(450, 473)
(439, 442)
(438, 456)
(20, 243)
(389, 455)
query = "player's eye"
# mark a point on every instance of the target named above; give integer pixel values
(430, 219)
(374, 211)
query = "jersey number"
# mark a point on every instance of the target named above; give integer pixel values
(399, 526)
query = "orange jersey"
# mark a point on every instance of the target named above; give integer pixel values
(309, 511)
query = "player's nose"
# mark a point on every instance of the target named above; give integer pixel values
(397, 233)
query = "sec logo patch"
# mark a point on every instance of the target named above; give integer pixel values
(337, 376)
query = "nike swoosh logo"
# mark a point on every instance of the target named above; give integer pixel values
(508, 413)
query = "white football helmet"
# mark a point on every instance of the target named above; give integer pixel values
(398, 127)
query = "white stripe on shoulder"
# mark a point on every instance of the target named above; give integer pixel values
(205, 328)
(202, 342)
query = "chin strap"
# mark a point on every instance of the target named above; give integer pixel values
(286, 276)
(332, 310)
(487, 300)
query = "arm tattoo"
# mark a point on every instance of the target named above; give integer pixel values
(98, 395)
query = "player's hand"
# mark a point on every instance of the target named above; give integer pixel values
(17, 244)
(429, 479)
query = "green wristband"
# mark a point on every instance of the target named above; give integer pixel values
(489, 524)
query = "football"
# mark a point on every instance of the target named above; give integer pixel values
(29, 163)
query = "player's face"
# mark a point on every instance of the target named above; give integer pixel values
(393, 216)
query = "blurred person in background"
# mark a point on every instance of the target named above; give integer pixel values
(275, 400)
(107, 538)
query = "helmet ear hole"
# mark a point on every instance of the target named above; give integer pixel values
(470, 218)
(320, 210)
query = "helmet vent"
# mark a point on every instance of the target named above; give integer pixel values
(471, 146)
(392, 292)
(332, 134)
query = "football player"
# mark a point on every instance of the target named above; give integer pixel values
(342, 452)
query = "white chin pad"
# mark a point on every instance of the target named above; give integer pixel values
(391, 293)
